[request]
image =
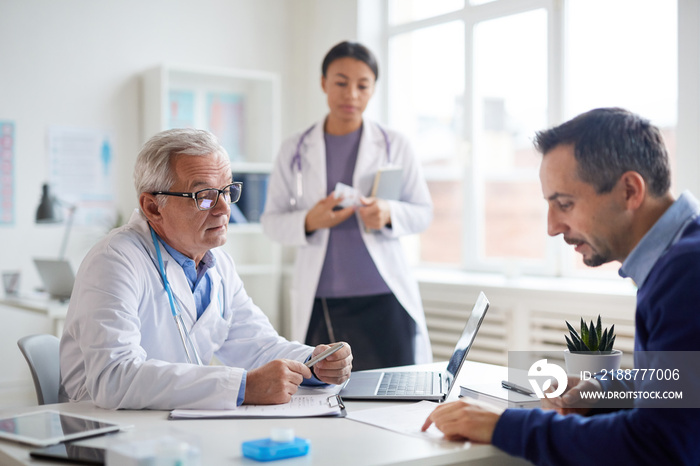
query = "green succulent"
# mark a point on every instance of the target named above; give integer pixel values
(592, 338)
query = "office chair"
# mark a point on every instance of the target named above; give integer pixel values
(41, 353)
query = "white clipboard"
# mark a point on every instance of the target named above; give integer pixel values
(307, 402)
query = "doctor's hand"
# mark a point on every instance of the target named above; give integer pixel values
(275, 382)
(335, 369)
(375, 213)
(465, 420)
(571, 402)
(322, 214)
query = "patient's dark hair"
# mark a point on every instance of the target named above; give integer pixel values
(609, 142)
(353, 50)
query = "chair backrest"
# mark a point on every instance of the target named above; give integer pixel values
(41, 353)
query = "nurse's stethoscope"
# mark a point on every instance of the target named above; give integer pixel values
(296, 163)
(190, 350)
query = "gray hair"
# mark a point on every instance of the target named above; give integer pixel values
(153, 169)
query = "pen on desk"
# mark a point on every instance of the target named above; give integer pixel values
(516, 388)
(324, 355)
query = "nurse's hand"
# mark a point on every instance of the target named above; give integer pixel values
(322, 214)
(375, 213)
(335, 368)
(275, 382)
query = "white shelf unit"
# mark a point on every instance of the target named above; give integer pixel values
(248, 125)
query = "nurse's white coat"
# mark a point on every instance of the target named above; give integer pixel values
(411, 214)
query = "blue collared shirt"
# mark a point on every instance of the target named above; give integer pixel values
(201, 290)
(664, 234)
(201, 287)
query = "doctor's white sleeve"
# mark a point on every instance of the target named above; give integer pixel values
(252, 340)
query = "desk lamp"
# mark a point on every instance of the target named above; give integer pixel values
(49, 212)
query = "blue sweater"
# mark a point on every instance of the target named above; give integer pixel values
(667, 319)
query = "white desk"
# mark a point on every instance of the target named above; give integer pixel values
(336, 441)
(42, 304)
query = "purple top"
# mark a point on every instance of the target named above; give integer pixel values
(348, 269)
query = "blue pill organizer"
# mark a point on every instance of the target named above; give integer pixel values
(269, 450)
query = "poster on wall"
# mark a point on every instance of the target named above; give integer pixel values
(225, 118)
(7, 176)
(181, 109)
(81, 172)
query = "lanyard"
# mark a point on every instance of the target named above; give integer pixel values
(190, 350)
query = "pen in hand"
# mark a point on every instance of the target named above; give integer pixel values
(324, 355)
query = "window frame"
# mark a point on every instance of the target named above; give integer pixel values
(557, 260)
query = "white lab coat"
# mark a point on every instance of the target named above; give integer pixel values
(285, 224)
(121, 347)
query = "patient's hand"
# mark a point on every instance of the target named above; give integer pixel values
(465, 420)
(571, 402)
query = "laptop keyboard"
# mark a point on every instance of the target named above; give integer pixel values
(406, 383)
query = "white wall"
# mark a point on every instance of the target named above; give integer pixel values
(77, 63)
(318, 25)
(688, 140)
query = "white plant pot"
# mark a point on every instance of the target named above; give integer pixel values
(576, 363)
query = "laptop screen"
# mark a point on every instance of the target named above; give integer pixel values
(57, 277)
(465, 341)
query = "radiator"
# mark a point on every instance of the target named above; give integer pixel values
(522, 318)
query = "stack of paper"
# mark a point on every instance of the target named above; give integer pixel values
(307, 402)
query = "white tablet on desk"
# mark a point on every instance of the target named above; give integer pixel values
(44, 428)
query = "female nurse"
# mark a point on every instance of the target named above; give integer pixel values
(351, 281)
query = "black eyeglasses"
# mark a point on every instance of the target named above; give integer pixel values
(206, 199)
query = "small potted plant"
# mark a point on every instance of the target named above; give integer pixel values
(591, 350)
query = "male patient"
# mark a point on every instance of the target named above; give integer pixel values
(605, 175)
(121, 346)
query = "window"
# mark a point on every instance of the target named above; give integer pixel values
(405, 11)
(631, 62)
(471, 82)
(509, 104)
(426, 76)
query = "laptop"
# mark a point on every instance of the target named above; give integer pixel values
(57, 277)
(408, 385)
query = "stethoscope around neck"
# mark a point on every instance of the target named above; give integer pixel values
(190, 349)
(296, 164)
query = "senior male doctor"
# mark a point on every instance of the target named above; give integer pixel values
(122, 345)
